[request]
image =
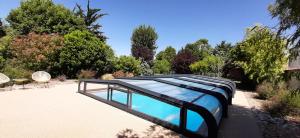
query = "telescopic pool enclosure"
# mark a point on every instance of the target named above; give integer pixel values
(192, 105)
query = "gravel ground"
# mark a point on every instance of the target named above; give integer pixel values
(273, 127)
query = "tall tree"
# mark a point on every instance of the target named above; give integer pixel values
(168, 54)
(261, 54)
(43, 16)
(182, 61)
(2, 31)
(200, 48)
(223, 50)
(91, 16)
(288, 13)
(143, 42)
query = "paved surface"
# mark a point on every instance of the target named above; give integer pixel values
(59, 111)
(241, 122)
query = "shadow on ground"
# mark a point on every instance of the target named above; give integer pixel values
(154, 131)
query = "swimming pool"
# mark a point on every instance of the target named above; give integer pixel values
(186, 110)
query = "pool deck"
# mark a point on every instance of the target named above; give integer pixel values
(59, 111)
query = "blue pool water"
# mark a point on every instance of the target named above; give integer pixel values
(167, 112)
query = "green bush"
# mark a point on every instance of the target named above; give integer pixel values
(128, 64)
(86, 74)
(83, 50)
(16, 72)
(162, 66)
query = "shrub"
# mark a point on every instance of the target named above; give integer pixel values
(86, 74)
(16, 72)
(119, 74)
(34, 50)
(128, 74)
(265, 90)
(83, 50)
(209, 64)
(61, 78)
(145, 69)
(128, 64)
(285, 103)
(182, 61)
(162, 66)
(107, 77)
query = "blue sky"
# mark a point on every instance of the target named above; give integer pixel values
(177, 22)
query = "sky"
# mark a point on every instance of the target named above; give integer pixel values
(177, 22)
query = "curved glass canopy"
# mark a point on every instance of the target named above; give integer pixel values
(188, 107)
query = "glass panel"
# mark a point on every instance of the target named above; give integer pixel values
(101, 94)
(119, 96)
(196, 123)
(204, 81)
(166, 89)
(156, 108)
(189, 83)
(212, 104)
(202, 86)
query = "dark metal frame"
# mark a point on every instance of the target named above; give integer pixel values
(211, 122)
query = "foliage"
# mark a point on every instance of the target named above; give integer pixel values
(85, 51)
(223, 50)
(168, 54)
(266, 90)
(91, 16)
(107, 77)
(288, 13)
(200, 48)
(209, 64)
(2, 31)
(61, 78)
(146, 69)
(16, 72)
(34, 50)
(129, 74)
(182, 61)
(43, 16)
(143, 42)
(86, 74)
(283, 104)
(118, 74)
(128, 64)
(162, 66)
(262, 54)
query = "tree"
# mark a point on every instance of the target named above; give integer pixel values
(2, 31)
(143, 42)
(288, 13)
(261, 54)
(223, 50)
(200, 48)
(162, 66)
(209, 64)
(128, 64)
(168, 54)
(182, 61)
(43, 16)
(91, 16)
(84, 51)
